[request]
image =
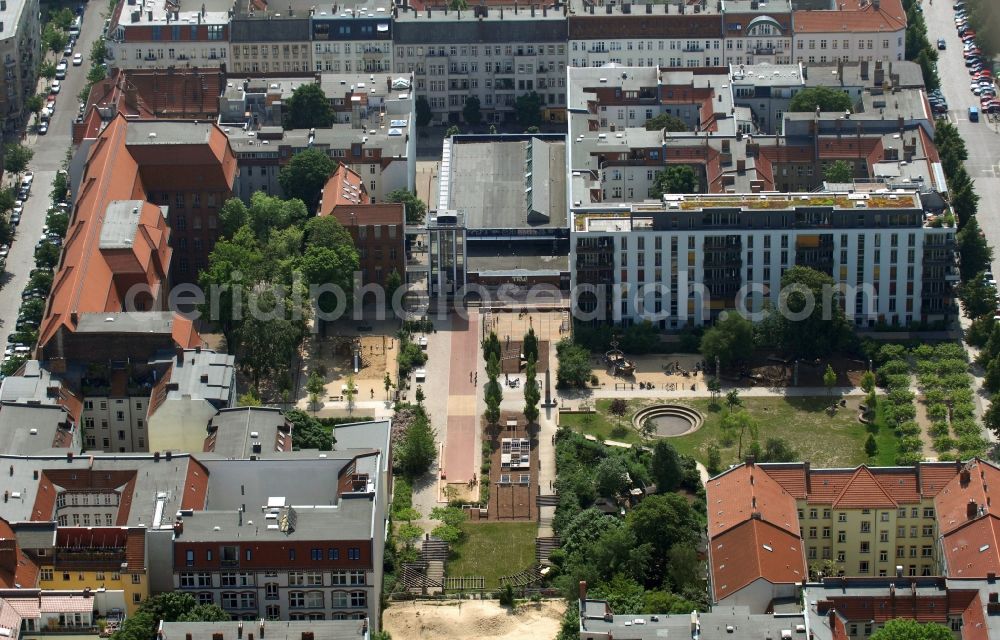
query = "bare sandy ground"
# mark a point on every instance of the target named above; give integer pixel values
(470, 619)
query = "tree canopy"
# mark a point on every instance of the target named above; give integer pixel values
(573, 369)
(16, 157)
(471, 112)
(812, 323)
(308, 108)
(839, 171)
(304, 176)
(676, 178)
(666, 122)
(730, 340)
(825, 98)
(168, 607)
(907, 629)
(416, 209)
(528, 108)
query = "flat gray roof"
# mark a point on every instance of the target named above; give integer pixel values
(275, 629)
(508, 185)
(204, 374)
(126, 322)
(713, 624)
(121, 220)
(236, 430)
(167, 132)
(32, 429)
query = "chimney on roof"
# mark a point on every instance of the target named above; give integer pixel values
(991, 577)
(149, 16)
(187, 636)
(971, 509)
(875, 4)
(583, 589)
(69, 456)
(261, 628)
(307, 635)
(532, 11)
(178, 526)
(239, 630)
(833, 617)
(169, 454)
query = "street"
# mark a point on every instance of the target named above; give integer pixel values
(50, 152)
(981, 138)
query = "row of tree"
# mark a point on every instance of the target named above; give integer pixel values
(527, 110)
(918, 47)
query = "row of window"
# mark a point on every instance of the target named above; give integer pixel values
(75, 499)
(46, 574)
(862, 44)
(296, 599)
(295, 578)
(230, 554)
(914, 512)
(926, 531)
(473, 51)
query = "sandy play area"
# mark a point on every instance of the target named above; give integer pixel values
(469, 619)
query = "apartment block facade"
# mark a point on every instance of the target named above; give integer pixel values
(158, 35)
(494, 54)
(20, 46)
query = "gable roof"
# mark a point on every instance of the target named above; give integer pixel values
(747, 492)
(752, 550)
(863, 491)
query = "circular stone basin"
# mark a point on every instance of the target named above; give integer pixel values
(669, 420)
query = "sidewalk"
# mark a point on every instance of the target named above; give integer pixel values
(573, 398)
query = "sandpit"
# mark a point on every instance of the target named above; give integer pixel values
(470, 619)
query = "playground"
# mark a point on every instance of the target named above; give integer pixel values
(337, 358)
(473, 619)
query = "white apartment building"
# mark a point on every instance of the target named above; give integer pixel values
(353, 37)
(494, 54)
(20, 44)
(859, 30)
(156, 35)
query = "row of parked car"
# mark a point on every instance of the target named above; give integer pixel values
(983, 84)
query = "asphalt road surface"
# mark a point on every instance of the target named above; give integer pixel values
(981, 138)
(50, 152)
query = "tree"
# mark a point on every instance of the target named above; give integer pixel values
(417, 450)
(666, 122)
(811, 321)
(868, 382)
(453, 130)
(529, 346)
(350, 391)
(16, 157)
(729, 341)
(267, 344)
(618, 409)
(308, 433)
(825, 98)
(528, 109)
(775, 450)
(308, 108)
(975, 251)
(733, 399)
(663, 520)
(305, 175)
(907, 629)
(387, 384)
(611, 477)
(991, 417)
(871, 446)
(573, 369)
(98, 52)
(47, 70)
(978, 297)
(470, 111)
(714, 388)
(47, 255)
(666, 467)
(423, 109)
(964, 201)
(532, 395)
(419, 396)
(740, 422)
(63, 18)
(315, 388)
(34, 103)
(248, 399)
(838, 172)
(451, 518)
(676, 178)
(829, 378)
(95, 74)
(416, 209)
(714, 464)
(166, 607)
(684, 567)
(53, 38)
(393, 282)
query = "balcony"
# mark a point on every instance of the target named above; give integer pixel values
(764, 51)
(693, 48)
(111, 560)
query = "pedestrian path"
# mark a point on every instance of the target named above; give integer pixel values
(460, 442)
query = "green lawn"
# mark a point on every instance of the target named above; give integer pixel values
(803, 422)
(492, 550)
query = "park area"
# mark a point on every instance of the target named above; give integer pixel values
(472, 619)
(492, 550)
(804, 424)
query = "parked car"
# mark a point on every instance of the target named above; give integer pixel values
(77, 60)
(56, 86)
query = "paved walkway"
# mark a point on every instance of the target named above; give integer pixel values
(573, 398)
(460, 453)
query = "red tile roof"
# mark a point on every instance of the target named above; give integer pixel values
(344, 187)
(195, 486)
(135, 551)
(753, 550)
(969, 523)
(856, 17)
(863, 491)
(369, 214)
(734, 497)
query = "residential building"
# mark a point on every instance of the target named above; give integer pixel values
(682, 259)
(494, 54)
(879, 522)
(150, 94)
(245, 432)
(354, 37)
(374, 132)
(850, 30)
(377, 229)
(30, 611)
(268, 43)
(20, 48)
(267, 546)
(275, 629)
(757, 32)
(158, 35)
